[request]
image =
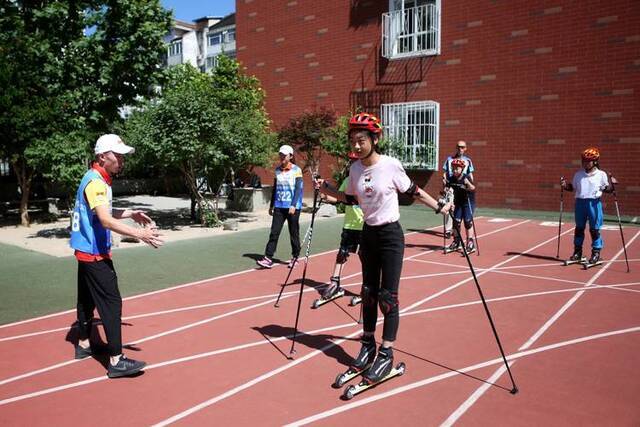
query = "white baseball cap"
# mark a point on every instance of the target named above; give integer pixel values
(286, 149)
(112, 142)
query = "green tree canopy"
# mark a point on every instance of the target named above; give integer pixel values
(66, 68)
(306, 132)
(204, 125)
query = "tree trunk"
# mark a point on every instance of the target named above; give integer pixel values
(24, 181)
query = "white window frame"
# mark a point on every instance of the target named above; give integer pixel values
(413, 130)
(411, 28)
(175, 48)
(230, 36)
(217, 35)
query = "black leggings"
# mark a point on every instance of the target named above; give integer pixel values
(293, 221)
(381, 253)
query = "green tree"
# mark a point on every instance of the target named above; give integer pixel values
(66, 67)
(306, 132)
(204, 125)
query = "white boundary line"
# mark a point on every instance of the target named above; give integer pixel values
(324, 329)
(184, 285)
(46, 369)
(267, 375)
(223, 302)
(444, 376)
(471, 400)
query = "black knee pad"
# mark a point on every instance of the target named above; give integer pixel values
(595, 234)
(468, 224)
(579, 232)
(388, 301)
(342, 256)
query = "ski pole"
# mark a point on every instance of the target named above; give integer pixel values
(316, 192)
(295, 261)
(473, 223)
(514, 390)
(615, 200)
(561, 208)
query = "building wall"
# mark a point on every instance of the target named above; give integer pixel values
(528, 85)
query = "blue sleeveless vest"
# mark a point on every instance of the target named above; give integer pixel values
(87, 233)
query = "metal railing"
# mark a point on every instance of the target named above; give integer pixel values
(411, 130)
(411, 32)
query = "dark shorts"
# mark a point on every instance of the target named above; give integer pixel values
(350, 240)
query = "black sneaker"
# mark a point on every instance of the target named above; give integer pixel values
(577, 254)
(381, 366)
(83, 353)
(125, 367)
(595, 256)
(366, 355)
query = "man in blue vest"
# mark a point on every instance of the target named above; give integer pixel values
(91, 225)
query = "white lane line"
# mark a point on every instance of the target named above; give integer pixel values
(317, 331)
(151, 337)
(184, 285)
(159, 291)
(268, 375)
(28, 374)
(498, 230)
(481, 273)
(471, 400)
(196, 307)
(437, 378)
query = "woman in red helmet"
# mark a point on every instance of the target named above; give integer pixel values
(374, 183)
(589, 183)
(464, 202)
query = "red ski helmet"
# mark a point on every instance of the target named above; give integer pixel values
(458, 163)
(591, 153)
(365, 121)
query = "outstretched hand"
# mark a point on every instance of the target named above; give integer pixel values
(151, 236)
(141, 218)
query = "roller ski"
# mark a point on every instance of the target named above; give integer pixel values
(593, 261)
(380, 371)
(334, 291)
(355, 300)
(576, 258)
(471, 247)
(361, 363)
(455, 246)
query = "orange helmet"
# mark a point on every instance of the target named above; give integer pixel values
(365, 121)
(591, 153)
(458, 163)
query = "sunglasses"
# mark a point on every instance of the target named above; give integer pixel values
(462, 146)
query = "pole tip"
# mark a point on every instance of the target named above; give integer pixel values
(514, 390)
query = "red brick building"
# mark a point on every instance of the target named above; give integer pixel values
(528, 84)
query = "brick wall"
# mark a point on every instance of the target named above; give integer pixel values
(528, 85)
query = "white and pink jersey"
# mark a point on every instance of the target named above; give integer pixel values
(377, 187)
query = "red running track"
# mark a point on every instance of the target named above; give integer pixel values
(216, 349)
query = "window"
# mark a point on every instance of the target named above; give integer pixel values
(5, 169)
(212, 62)
(175, 48)
(230, 36)
(411, 28)
(411, 129)
(215, 39)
